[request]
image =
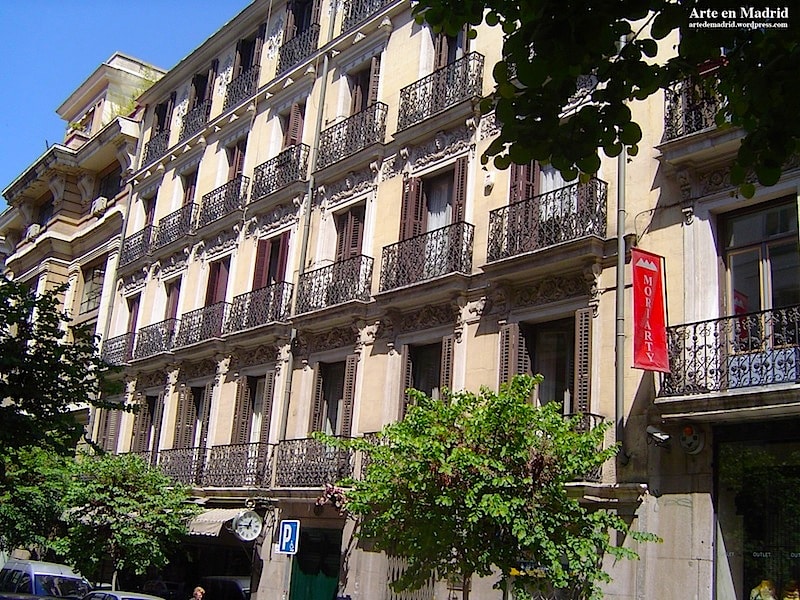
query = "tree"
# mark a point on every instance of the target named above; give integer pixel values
(47, 366)
(118, 507)
(476, 482)
(552, 48)
(30, 498)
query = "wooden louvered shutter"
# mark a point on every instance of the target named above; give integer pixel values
(259, 44)
(141, 427)
(242, 412)
(236, 159)
(237, 60)
(205, 413)
(318, 403)
(283, 257)
(185, 418)
(350, 226)
(441, 50)
(168, 112)
(359, 83)
(262, 264)
(266, 406)
(290, 28)
(294, 126)
(133, 312)
(158, 419)
(374, 80)
(315, 11)
(514, 356)
(524, 182)
(406, 379)
(412, 212)
(460, 189)
(581, 399)
(348, 395)
(446, 368)
(211, 79)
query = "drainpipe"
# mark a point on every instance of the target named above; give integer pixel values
(312, 157)
(619, 345)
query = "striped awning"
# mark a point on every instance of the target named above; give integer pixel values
(210, 521)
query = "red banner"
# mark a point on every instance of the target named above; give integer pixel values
(649, 312)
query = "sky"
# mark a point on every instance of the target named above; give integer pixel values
(49, 47)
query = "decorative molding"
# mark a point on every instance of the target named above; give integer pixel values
(134, 281)
(99, 206)
(274, 39)
(592, 277)
(353, 184)
(125, 152)
(306, 344)
(57, 184)
(252, 357)
(443, 145)
(151, 379)
(223, 241)
(279, 217)
(197, 370)
(488, 127)
(392, 166)
(551, 289)
(174, 263)
(86, 183)
(224, 76)
(32, 232)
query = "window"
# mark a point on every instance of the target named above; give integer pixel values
(143, 424)
(92, 287)
(364, 86)
(173, 289)
(191, 422)
(449, 48)
(349, 233)
(270, 265)
(189, 181)
(427, 368)
(45, 212)
(559, 350)
(217, 281)
(202, 86)
(300, 16)
(292, 124)
(162, 115)
(435, 201)
(253, 410)
(235, 154)
(108, 428)
(111, 183)
(334, 392)
(248, 52)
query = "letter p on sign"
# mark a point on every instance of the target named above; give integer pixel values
(288, 537)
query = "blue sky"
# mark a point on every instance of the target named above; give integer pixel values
(49, 47)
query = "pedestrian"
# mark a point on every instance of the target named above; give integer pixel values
(198, 593)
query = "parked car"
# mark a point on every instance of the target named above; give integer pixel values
(118, 595)
(226, 587)
(26, 579)
(169, 590)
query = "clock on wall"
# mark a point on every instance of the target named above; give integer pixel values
(247, 525)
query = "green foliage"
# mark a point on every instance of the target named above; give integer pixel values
(478, 481)
(550, 46)
(47, 366)
(30, 498)
(121, 508)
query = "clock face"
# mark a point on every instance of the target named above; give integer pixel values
(247, 526)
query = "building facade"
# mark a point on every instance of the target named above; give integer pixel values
(311, 232)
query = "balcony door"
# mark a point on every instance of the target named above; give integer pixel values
(334, 394)
(427, 368)
(271, 257)
(253, 409)
(300, 16)
(191, 421)
(364, 86)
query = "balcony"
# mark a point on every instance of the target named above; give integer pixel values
(184, 465)
(118, 350)
(426, 256)
(239, 465)
(741, 351)
(155, 339)
(223, 201)
(565, 214)
(201, 324)
(299, 47)
(338, 283)
(265, 305)
(241, 88)
(156, 147)
(195, 120)
(136, 246)
(459, 81)
(586, 422)
(356, 11)
(290, 166)
(310, 463)
(690, 108)
(352, 135)
(174, 226)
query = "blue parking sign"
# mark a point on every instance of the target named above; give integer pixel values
(288, 537)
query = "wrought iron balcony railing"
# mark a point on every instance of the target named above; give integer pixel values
(195, 120)
(340, 282)
(136, 246)
(356, 11)
(184, 465)
(239, 465)
(459, 81)
(352, 135)
(740, 351)
(690, 107)
(156, 147)
(174, 226)
(223, 200)
(201, 324)
(429, 255)
(241, 88)
(565, 214)
(265, 305)
(155, 339)
(118, 350)
(310, 463)
(585, 423)
(290, 166)
(299, 47)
